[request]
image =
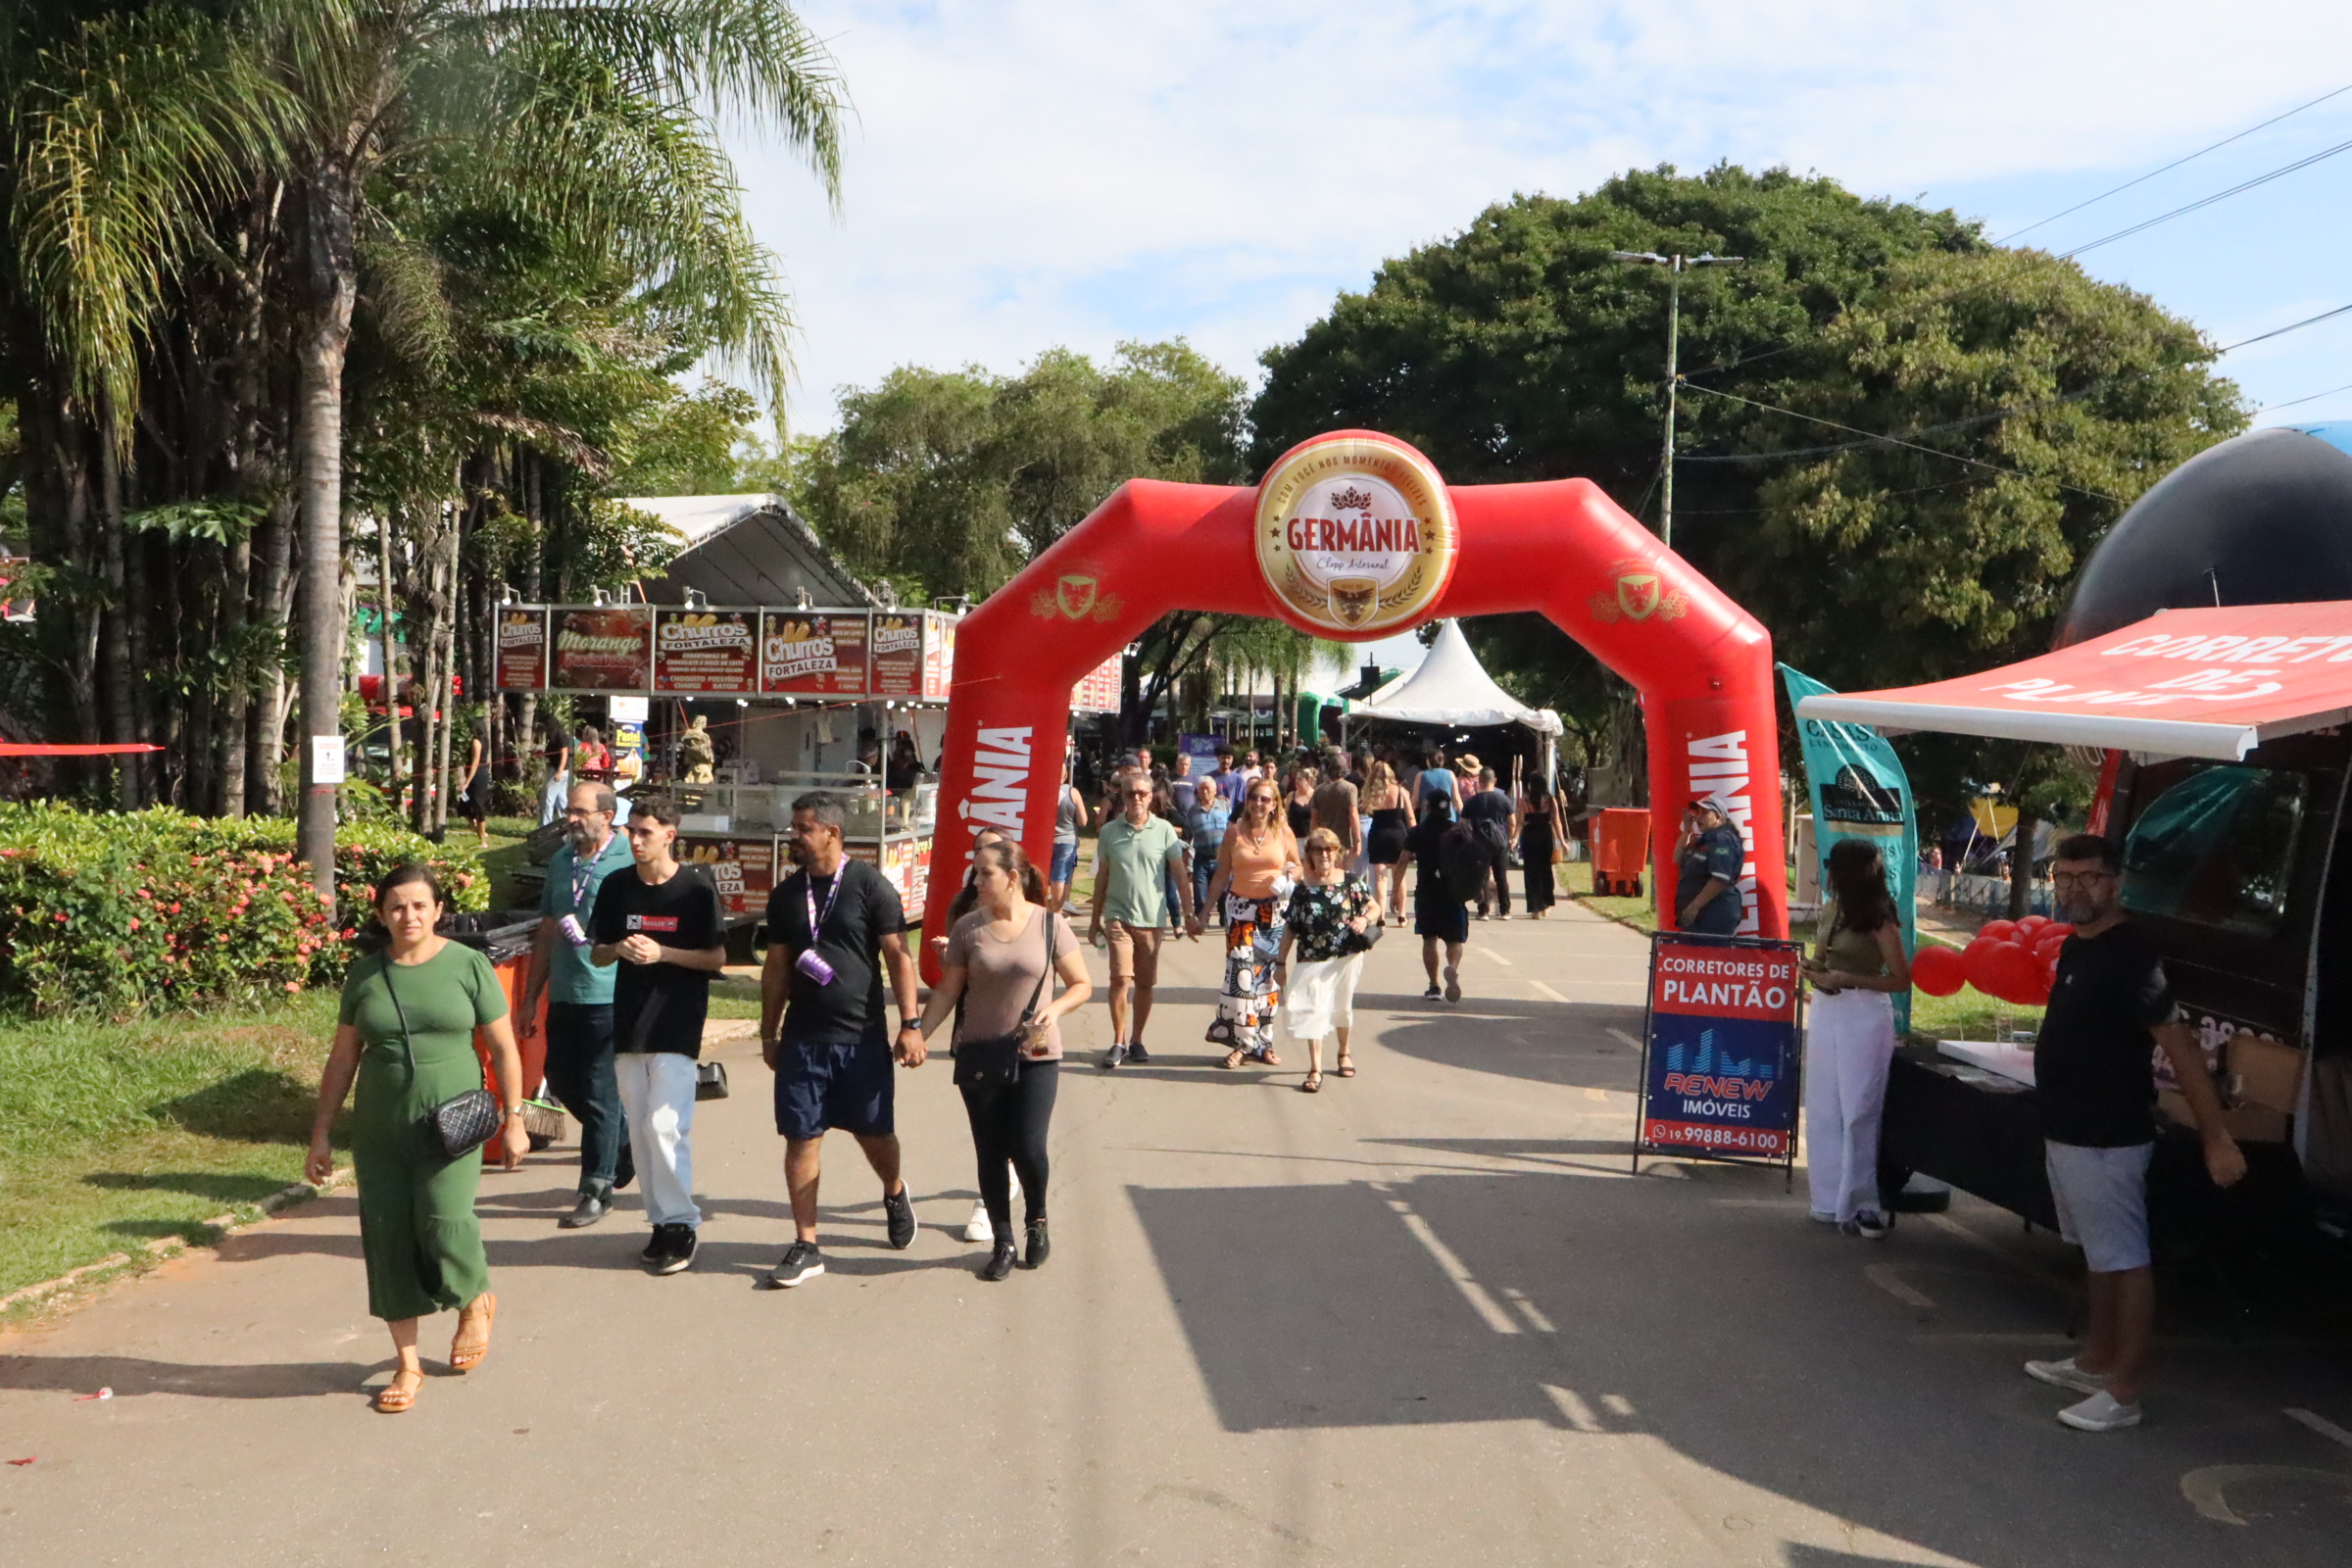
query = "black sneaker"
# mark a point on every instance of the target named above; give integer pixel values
(656, 1249)
(802, 1264)
(680, 1253)
(1040, 1245)
(1137, 1056)
(1433, 994)
(898, 1212)
(1000, 1261)
(586, 1212)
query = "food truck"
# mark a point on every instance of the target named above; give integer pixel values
(748, 704)
(2206, 658)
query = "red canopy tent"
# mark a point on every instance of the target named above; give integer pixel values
(2212, 682)
(102, 749)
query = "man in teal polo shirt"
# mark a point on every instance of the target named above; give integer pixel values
(579, 1006)
(1140, 856)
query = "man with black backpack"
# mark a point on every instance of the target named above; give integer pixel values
(1451, 866)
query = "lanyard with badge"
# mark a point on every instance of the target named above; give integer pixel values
(583, 874)
(811, 962)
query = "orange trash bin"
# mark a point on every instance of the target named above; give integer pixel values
(1620, 851)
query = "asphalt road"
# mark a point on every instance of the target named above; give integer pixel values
(1426, 1316)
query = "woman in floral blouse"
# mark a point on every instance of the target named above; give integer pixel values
(1328, 907)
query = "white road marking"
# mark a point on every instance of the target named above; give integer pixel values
(2041, 1276)
(1497, 957)
(1528, 1310)
(1463, 1281)
(1596, 1094)
(1548, 991)
(1624, 1037)
(1883, 1276)
(1579, 1414)
(1617, 1404)
(2321, 1425)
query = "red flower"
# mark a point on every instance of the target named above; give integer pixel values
(135, 923)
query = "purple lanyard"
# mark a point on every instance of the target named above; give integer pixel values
(816, 919)
(583, 871)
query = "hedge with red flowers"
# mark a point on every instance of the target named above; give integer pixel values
(120, 914)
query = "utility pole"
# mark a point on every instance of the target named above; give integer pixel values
(1674, 265)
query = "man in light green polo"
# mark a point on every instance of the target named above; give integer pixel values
(1135, 853)
(580, 1069)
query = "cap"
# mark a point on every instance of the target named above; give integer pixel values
(1711, 803)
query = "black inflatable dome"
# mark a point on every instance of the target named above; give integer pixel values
(2264, 518)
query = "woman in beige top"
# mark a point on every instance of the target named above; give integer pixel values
(1857, 971)
(994, 966)
(1256, 866)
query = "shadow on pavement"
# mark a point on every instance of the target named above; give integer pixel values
(1572, 1045)
(221, 1187)
(129, 1376)
(1706, 1313)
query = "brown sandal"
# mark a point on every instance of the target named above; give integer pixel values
(392, 1399)
(478, 1312)
(1233, 1060)
(1345, 1067)
(1311, 1084)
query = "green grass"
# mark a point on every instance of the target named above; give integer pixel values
(1575, 880)
(113, 1135)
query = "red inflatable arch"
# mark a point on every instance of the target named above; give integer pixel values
(1352, 535)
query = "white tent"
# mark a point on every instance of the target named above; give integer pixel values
(1450, 687)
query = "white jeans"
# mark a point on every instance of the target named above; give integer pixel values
(656, 1090)
(1847, 1051)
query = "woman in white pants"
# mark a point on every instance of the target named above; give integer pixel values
(1328, 905)
(1857, 970)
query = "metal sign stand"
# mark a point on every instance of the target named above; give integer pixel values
(1792, 1065)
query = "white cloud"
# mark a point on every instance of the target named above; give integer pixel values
(1024, 175)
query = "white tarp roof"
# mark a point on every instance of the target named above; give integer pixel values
(1450, 687)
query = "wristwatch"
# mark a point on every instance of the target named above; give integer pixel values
(915, 1024)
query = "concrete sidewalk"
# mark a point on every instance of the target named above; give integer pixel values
(1423, 1317)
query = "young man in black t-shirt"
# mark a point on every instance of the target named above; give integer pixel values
(2096, 1086)
(825, 1027)
(661, 924)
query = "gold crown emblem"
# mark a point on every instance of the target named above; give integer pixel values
(1351, 499)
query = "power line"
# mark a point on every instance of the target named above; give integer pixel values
(2313, 398)
(2004, 412)
(1887, 440)
(2208, 201)
(2175, 163)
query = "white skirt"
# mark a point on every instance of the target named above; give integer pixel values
(1321, 997)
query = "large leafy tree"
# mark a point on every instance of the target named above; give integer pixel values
(266, 181)
(1521, 349)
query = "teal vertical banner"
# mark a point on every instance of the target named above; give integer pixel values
(1860, 791)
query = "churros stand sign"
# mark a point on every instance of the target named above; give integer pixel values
(706, 650)
(1356, 535)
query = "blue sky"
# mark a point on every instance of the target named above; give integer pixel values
(1021, 175)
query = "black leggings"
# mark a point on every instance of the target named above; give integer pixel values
(1008, 1126)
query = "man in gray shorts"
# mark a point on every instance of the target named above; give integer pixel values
(2095, 1082)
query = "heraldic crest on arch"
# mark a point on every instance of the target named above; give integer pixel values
(1355, 535)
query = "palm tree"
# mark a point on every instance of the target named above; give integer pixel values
(590, 119)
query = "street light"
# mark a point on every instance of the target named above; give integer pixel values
(1674, 265)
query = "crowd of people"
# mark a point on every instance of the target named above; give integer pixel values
(1286, 866)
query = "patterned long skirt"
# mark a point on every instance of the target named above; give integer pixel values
(1246, 1007)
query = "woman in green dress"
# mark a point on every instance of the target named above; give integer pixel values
(407, 1032)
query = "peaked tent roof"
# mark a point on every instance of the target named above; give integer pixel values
(1450, 687)
(747, 550)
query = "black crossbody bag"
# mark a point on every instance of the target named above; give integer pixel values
(460, 1125)
(997, 1058)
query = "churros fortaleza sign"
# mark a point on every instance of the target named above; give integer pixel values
(1356, 535)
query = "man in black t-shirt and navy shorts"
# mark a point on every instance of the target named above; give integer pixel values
(834, 926)
(660, 922)
(2111, 1008)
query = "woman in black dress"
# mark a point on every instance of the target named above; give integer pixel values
(1298, 809)
(1391, 806)
(1539, 834)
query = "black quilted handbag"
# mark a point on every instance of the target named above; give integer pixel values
(460, 1125)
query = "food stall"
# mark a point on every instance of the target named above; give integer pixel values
(753, 705)
(2206, 658)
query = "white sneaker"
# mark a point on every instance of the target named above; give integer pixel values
(2101, 1412)
(1453, 984)
(2065, 1375)
(977, 1228)
(1822, 1216)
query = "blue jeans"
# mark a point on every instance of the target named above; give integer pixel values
(580, 1073)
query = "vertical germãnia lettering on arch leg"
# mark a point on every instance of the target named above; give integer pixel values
(1000, 793)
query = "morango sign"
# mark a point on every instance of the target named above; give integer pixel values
(1720, 1071)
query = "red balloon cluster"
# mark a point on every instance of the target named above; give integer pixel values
(2013, 961)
